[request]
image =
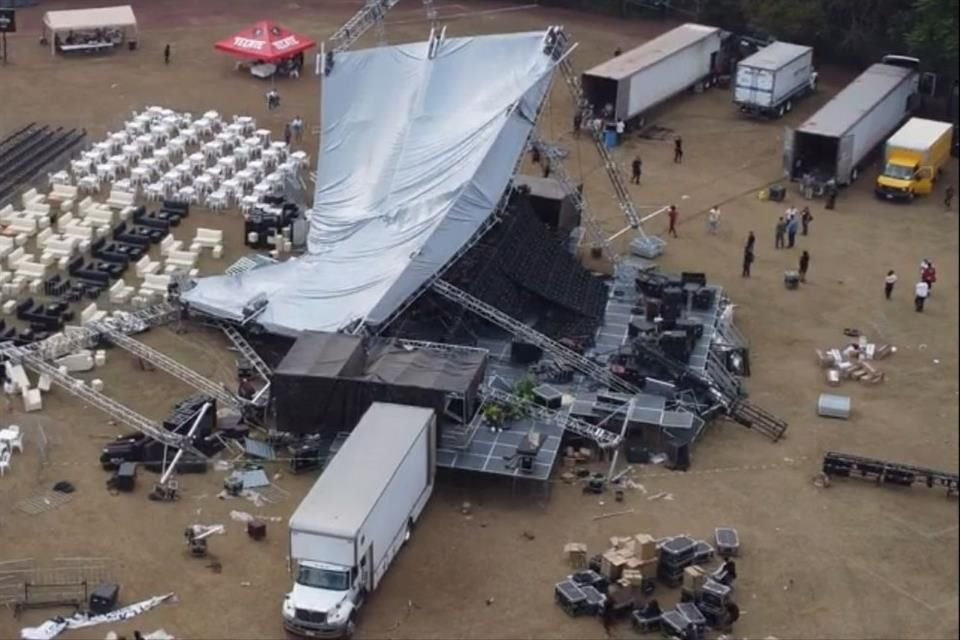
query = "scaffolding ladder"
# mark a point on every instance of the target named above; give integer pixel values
(565, 421)
(247, 351)
(114, 409)
(370, 16)
(172, 367)
(548, 345)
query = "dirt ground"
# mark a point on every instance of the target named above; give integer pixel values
(851, 561)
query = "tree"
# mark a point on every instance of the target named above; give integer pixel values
(932, 35)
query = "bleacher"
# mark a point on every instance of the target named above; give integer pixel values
(25, 153)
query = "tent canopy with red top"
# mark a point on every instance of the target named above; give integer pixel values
(265, 41)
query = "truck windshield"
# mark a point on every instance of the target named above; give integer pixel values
(323, 578)
(898, 171)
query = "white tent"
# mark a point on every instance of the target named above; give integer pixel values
(56, 22)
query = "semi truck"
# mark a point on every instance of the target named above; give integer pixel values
(833, 143)
(913, 158)
(627, 86)
(357, 516)
(770, 81)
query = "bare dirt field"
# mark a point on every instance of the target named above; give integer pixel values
(851, 561)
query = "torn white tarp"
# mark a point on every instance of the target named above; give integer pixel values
(415, 155)
(52, 628)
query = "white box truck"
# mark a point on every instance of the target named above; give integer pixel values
(834, 142)
(627, 86)
(352, 523)
(770, 81)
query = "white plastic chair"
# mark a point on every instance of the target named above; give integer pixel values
(16, 442)
(4, 461)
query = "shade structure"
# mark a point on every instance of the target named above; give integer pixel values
(266, 41)
(416, 152)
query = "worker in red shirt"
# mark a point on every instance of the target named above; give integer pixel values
(672, 215)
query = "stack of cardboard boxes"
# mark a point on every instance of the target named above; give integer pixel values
(630, 560)
(853, 363)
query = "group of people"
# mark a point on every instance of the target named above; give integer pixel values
(923, 288)
(789, 224)
(293, 130)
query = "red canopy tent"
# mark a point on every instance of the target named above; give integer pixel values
(266, 41)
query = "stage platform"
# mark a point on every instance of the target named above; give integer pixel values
(624, 296)
(494, 452)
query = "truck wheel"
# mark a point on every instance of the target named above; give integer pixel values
(781, 111)
(788, 106)
(351, 627)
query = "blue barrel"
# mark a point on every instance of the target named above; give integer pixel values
(610, 138)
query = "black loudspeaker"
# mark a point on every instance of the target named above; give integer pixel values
(547, 396)
(678, 456)
(637, 454)
(524, 353)
(777, 193)
(104, 597)
(703, 299)
(688, 277)
(652, 310)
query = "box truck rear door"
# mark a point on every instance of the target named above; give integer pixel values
(846, 171)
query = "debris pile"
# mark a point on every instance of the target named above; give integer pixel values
(854, 362)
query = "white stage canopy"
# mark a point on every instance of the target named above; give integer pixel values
(118, 17)
(415, 155)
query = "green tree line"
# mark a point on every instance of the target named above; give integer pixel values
(850, 31)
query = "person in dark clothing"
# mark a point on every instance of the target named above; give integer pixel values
(577, 123)
(166, 54)
(672, 216)
(733, 614)
(546, 168)
(535, 155)
(948, 198)
(831, 191)
(287, 133)
(781, 231)
(805, 219)
(751, 240)
(637, 169)
(804, 265)
(747, 260)
(678, 150)
(607, 618)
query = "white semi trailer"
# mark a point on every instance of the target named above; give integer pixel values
(770, 81)
(834, 142)
(352, 523)
(627, 86)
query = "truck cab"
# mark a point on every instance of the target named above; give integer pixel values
(323, 601)
(903, 177)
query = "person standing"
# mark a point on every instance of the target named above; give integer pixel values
(747, 260)
(781, 231)
(751, 240)
(621, 129)
(546, 167)
(804, 265)
(637, 170)
(928, 273)
(297, 126)
(831, 190)
(793, 225)
(535, 154)
(713, 220)
(948, 198)
(577, 123)
(888, 282)
(607, 618)
(678, 150)
(921, 292)
(672, 216)
(166, 54)
(805, 219)
(287, 133)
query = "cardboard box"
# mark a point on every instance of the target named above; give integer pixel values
(647, 568)
(576, 553)
(611, 565)
(632, 578)
(693, 578)
(645, 547)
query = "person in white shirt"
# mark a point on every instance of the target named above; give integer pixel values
(922, 291)
(888, 283)
(713, 220)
